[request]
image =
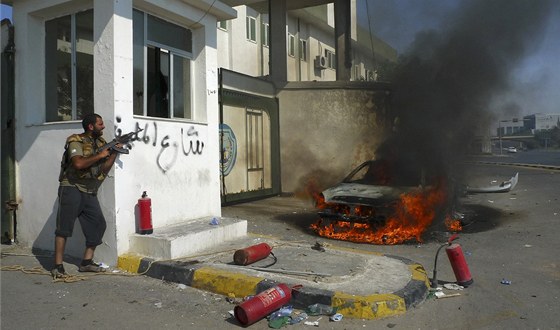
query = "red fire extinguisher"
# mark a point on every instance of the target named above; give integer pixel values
(145, 221)
(251, 254)
(458, 263)
(261, 305)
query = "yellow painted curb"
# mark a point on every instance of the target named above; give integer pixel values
(129, 262)
(369, 307)
(419, 273)
(225, 282)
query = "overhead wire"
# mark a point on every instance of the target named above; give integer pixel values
(204, 15)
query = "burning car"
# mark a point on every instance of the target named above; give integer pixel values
(368, 194)
(380, 203)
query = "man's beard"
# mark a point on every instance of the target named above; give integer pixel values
(97, 133)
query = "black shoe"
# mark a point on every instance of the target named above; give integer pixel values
(58, 272)
(91, 268)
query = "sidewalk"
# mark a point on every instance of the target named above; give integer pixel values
(361, 284)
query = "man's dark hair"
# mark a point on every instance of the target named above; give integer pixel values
(90, 118)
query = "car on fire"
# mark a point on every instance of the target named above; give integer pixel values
(370, 193)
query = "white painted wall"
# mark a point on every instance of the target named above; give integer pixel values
(183, 185)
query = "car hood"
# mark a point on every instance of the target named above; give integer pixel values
(355, 193)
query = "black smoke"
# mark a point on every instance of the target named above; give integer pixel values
(446, 81)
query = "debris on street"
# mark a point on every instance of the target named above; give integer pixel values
(503, 187)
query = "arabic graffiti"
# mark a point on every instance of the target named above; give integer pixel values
(189, 143)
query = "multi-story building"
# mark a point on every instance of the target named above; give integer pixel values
(244, 44)
(528, 124)
(539, 121)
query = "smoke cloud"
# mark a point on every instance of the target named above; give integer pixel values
(446, 81)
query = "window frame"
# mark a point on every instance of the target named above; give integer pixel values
(331, 59)
(303, 50)
(52, 105)
(173, 53)
(251, 29)
(223, 25)
(265, 34)
(291, 45)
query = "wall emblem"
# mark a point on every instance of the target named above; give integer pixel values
(228, 153)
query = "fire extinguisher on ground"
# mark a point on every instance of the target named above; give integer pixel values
(145, 218)
(252, 254)
(458, 263)
(261, 305)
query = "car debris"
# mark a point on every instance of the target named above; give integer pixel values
(505, 186)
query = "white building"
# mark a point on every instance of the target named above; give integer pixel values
(530, 123)
(128, 50)
(178, 69)
(540, 121)
(244, 44)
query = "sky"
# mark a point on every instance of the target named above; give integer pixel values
(534, 79)
(463, 67)
(5, 12)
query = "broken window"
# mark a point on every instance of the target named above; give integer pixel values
(162, 68)
(69, 67)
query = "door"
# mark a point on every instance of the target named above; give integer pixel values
(249, 159)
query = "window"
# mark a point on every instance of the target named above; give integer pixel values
(265, 35)
(251, 29)
(254, 127)
(291, 45)
(69, 67)
(222, 25)
(303, 50)
(357, 73)
(162, 68)
(331, 59)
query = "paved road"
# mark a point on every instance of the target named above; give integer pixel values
(548, 157)
(511, 236)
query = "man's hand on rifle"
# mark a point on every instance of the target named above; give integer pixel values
(105, 153)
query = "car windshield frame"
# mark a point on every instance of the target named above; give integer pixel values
(378, 174)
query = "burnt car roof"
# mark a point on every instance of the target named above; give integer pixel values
(372, 183)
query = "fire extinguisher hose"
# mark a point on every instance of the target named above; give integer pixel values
(273, 262)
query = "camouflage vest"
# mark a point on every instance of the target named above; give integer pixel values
(89, 147)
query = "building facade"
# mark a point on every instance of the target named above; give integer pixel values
(140, 65)
(195, 79)
(539, 121)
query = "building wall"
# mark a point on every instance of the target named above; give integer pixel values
(326, 132)
(510, 127)
(316, 26)
(243, 54)
(176, 162)
(546, 121)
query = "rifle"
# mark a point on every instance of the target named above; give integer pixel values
(123, 139)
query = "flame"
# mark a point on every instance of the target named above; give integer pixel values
(415, 211)
(453, 225)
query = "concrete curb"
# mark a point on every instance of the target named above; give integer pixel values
(234, 284)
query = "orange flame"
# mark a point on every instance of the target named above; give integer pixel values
(453, 225)
(415, 211)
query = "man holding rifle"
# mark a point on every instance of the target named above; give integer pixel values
(85, 164)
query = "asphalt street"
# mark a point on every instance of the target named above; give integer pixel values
(508, 236)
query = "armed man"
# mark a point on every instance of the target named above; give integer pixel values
(85, 164)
